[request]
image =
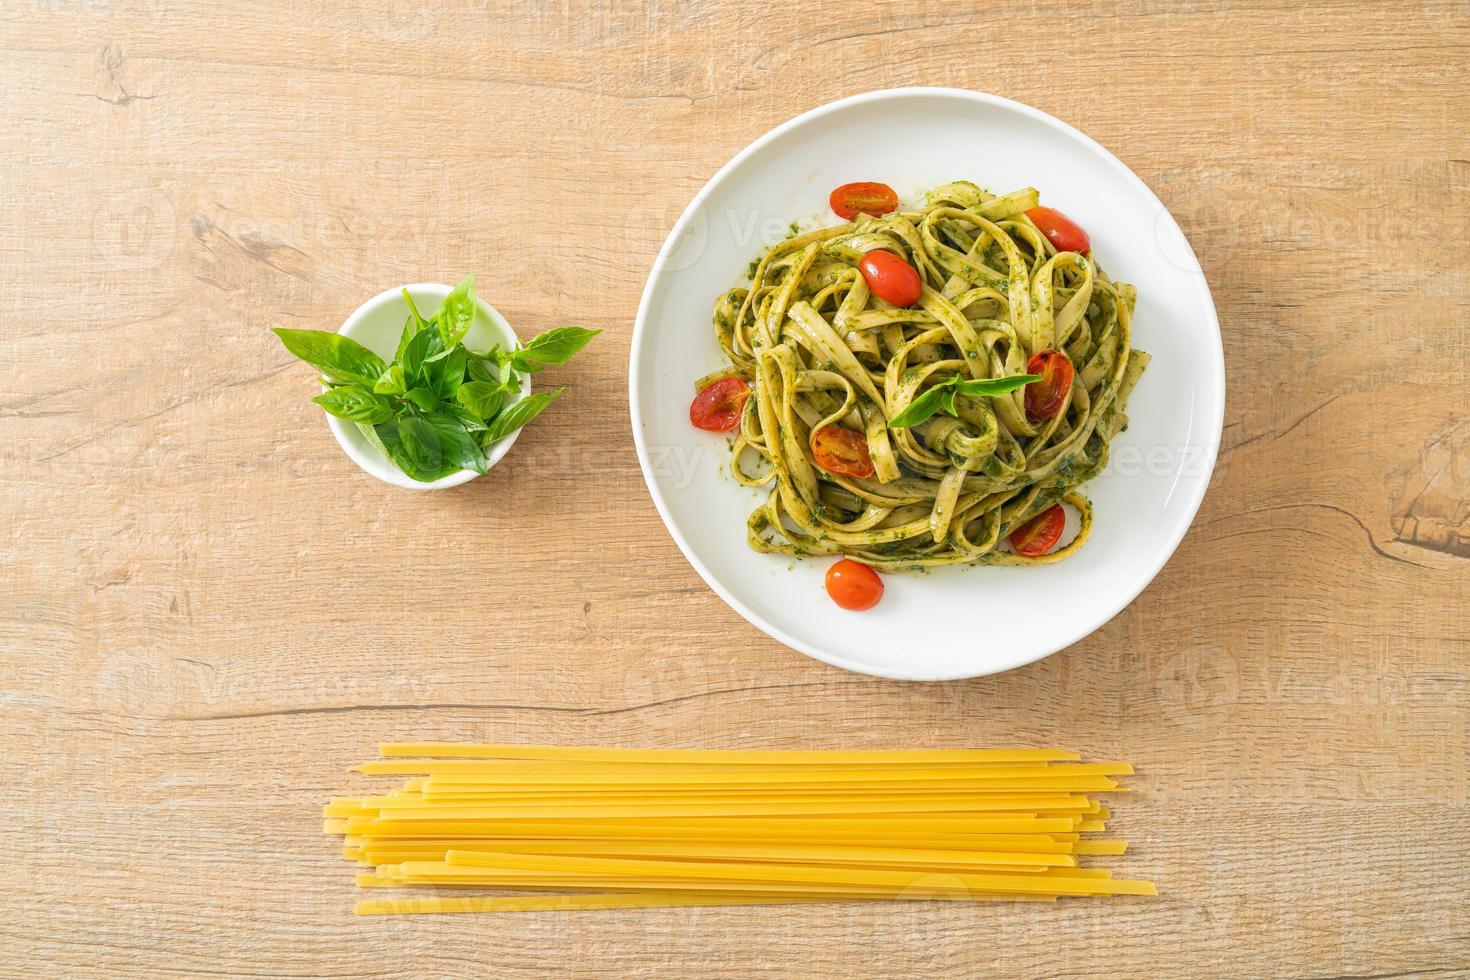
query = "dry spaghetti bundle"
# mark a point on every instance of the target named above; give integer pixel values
(591, 828)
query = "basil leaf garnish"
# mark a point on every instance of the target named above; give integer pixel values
(339, 358)
(995, 386)
(482, 398)
(921, 408)
(356, 404)
(517, 415)
(941, 396)
(555, 346)
(457, 312)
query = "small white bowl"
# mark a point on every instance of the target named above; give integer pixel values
(377, 325)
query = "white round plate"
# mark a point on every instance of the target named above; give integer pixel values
(952, 622)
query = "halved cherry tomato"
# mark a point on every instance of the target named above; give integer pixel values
(717, 408)
(1046, 397)
(842, 451)
(865, 197)
(1060, 230)
(890, 278)
(853, 585)
(1037, 535)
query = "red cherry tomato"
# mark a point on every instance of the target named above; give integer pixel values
(1060, 230)
(853, 585)
(866, 197)
(842, 451)
(1037, 535)
(890, 278)
(1046, 397)
(717, 408)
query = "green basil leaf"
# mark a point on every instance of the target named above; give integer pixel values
(478, 369)
(356, 404)
(555, 346)
(388, 437)
(493, 356)
(467, 418)
(456, 443)
(446, 375)
(517, 415)
(385, 436)
(339, 358)
(921, 408)
(410, 330)
(995, 386)
(391, 382)
(424, 397)
(370, 432)
(482, 398)
(457, 312)
(424, 345)
(420, 442)
(414, 316)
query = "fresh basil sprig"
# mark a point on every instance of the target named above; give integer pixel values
(340, 359)
(555, 346)
(437, 407)
(941, 396)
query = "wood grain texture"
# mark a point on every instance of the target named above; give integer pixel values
(207, 613)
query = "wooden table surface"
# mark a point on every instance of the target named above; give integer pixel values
(207, 613)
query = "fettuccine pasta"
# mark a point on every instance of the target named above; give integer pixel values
(608, 828)
(821, 353)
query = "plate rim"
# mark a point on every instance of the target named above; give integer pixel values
(657, 270)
